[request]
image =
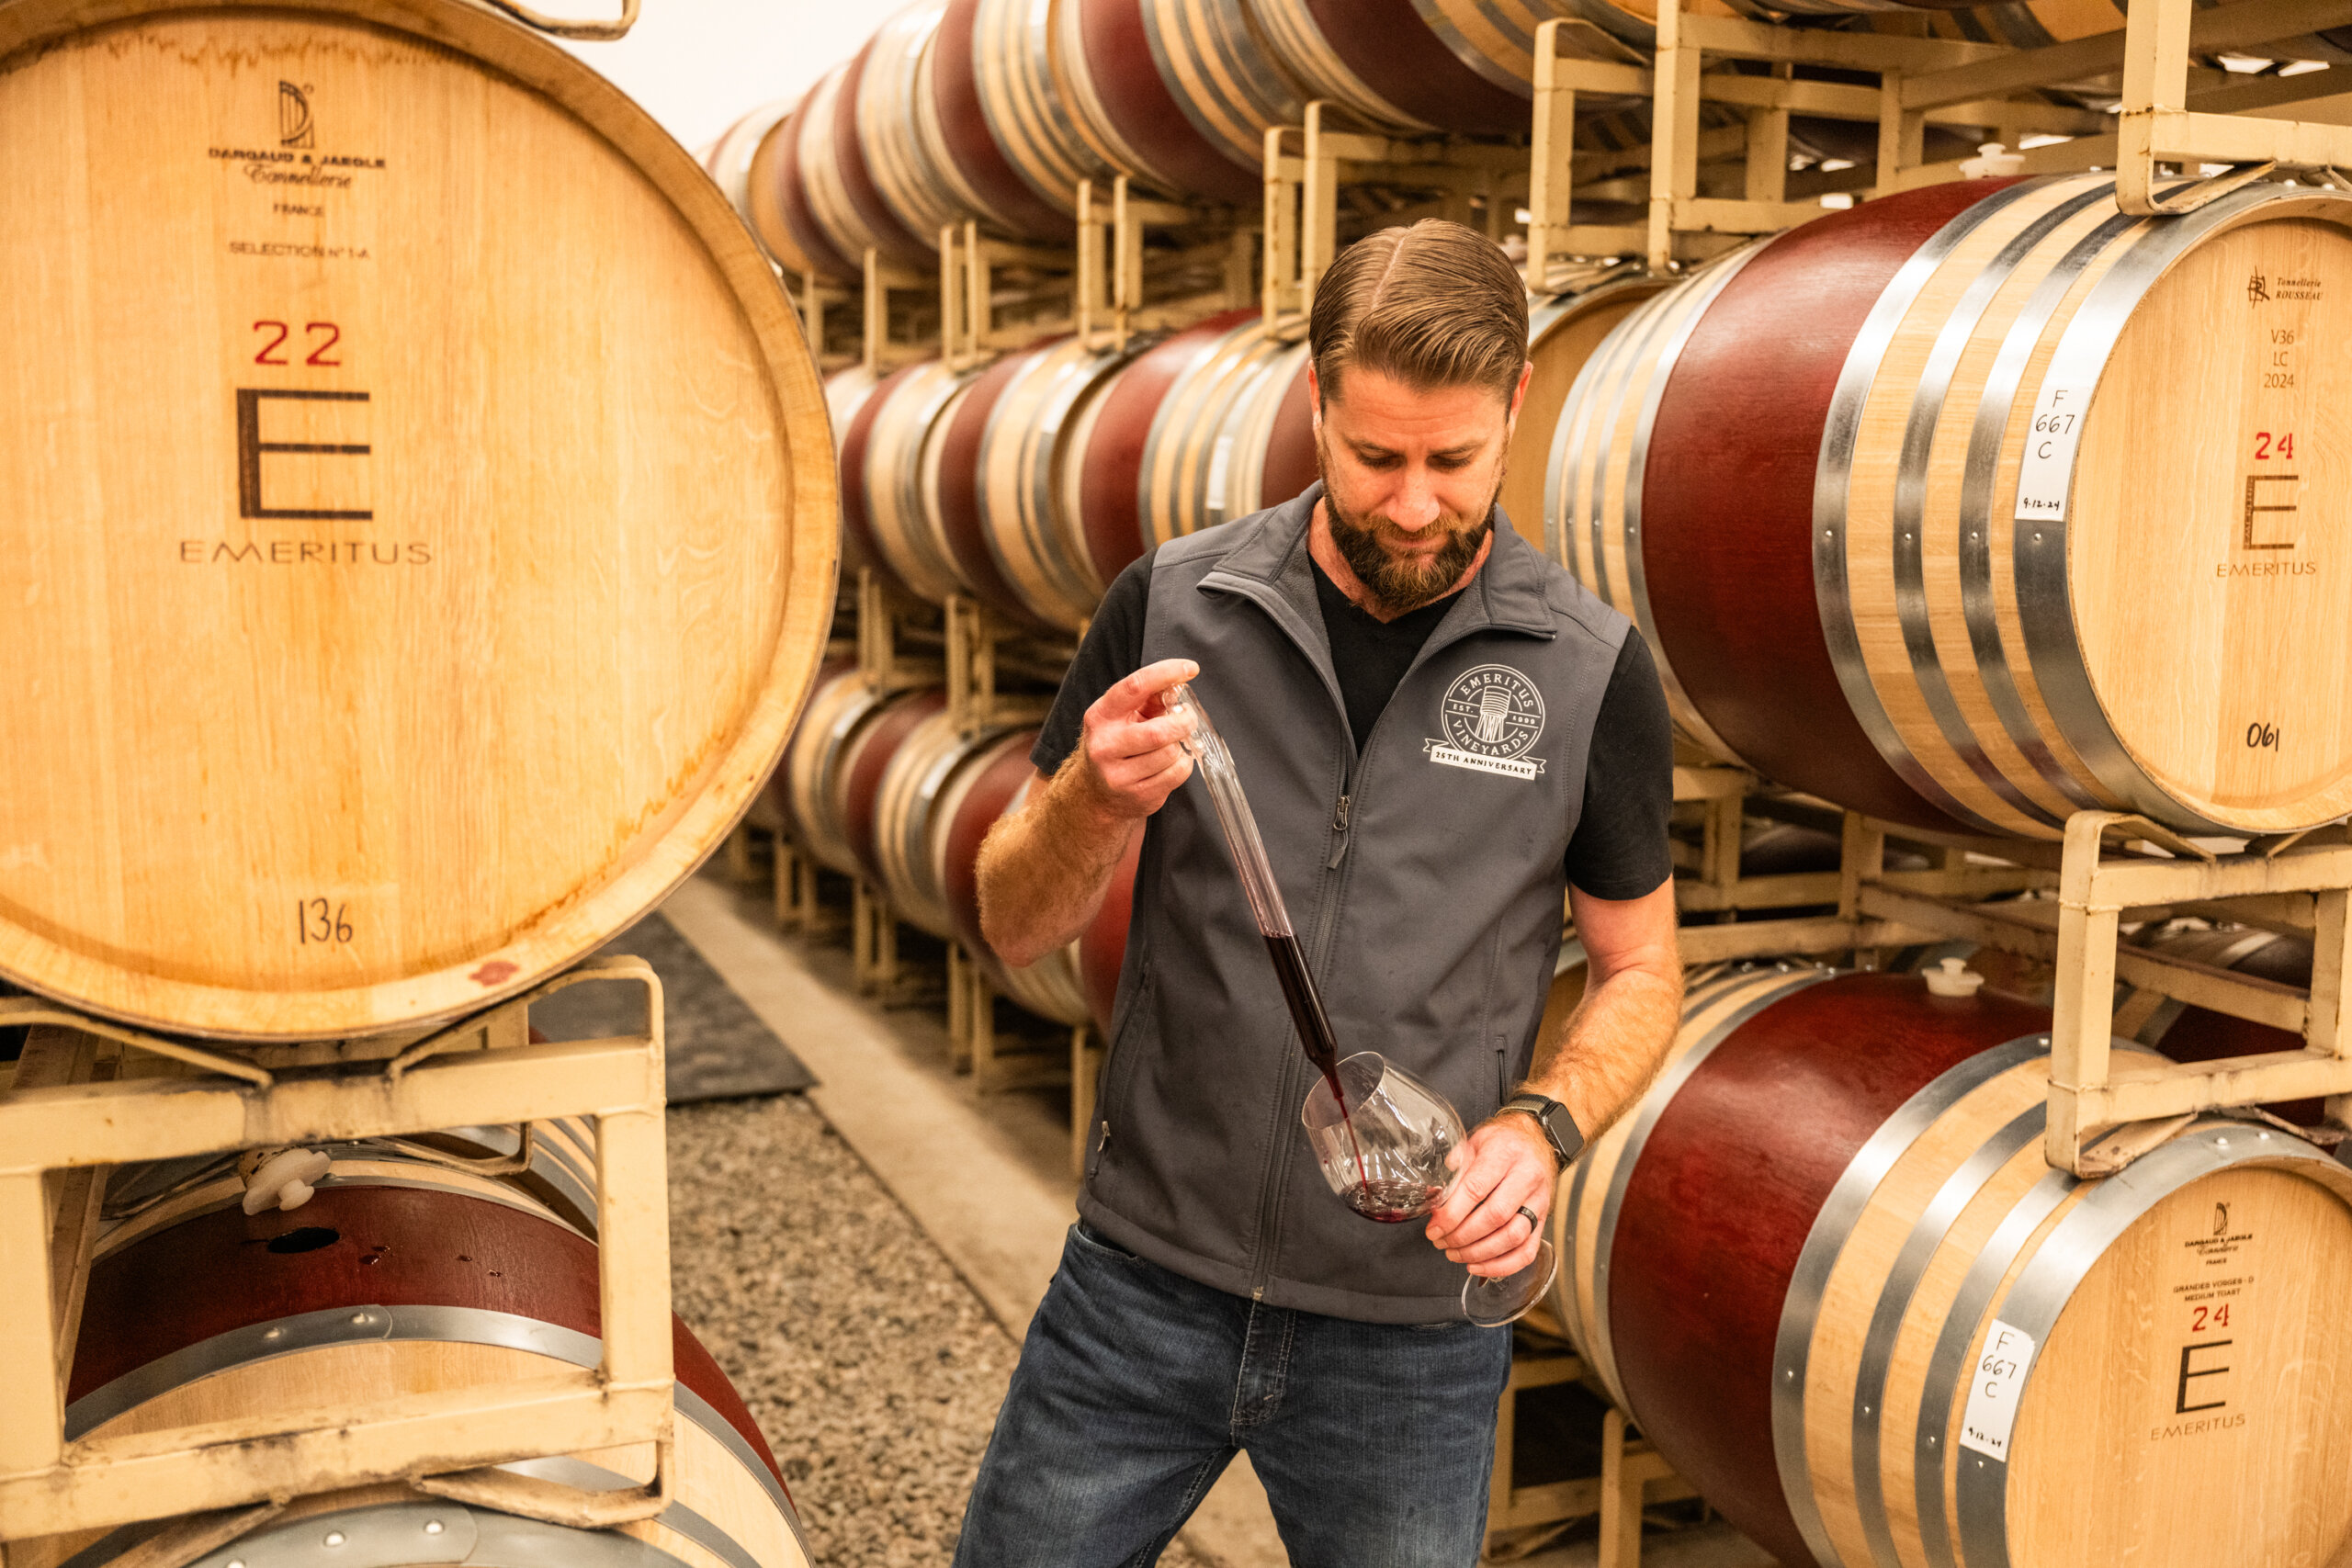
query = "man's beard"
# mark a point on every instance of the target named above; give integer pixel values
(1398, 584)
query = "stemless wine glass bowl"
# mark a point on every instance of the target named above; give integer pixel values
(1390, 1157)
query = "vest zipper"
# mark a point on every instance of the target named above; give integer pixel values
(1340, 828)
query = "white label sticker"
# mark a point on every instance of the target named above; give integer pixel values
(1992, 1392)
(2048, 468)
(1220, 459)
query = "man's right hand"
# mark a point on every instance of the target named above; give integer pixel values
(1133, 747)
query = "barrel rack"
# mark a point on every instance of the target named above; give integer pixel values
(2063, 903)
(90, 1094)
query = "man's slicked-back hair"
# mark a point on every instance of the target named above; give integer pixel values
(1433, 305)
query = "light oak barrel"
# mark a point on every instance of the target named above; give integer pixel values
(841, 197)
(776, 202)
(1831, 1220)
(1032, 533)
(901, 158)
(373, 1288)
(918, 795)
(463, 694)
(1000, 195)
(1465, 65)
(1178, 93)
(890, 469)
(1228, 437)
(729, 160)
(844, 703)
(1877, 623)
(852, 788)
(1000, 780)
(1028, 116)
(1564, 330)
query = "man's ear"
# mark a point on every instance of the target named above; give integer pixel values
(1315, 394)
(1519, 393)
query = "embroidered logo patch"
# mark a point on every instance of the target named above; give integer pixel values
(1490, 719)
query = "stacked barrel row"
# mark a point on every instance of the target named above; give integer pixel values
(1030, 483)
(994, 110)
(884, 784)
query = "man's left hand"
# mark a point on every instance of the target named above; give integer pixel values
(1507, 1163)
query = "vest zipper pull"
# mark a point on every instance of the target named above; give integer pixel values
(1338, 828)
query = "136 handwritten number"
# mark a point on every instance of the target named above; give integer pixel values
(319, 923)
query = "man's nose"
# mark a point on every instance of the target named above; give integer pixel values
(1415, 505)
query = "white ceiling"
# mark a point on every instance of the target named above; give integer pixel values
(699, 66)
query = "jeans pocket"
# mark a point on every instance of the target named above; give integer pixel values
(1094, 1241)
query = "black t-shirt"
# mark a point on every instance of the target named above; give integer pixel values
(1619, 850)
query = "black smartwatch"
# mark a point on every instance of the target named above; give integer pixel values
(1559, 1127)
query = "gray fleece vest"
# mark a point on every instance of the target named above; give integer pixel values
(1424, 879)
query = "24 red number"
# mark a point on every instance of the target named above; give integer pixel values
(2209, 1317)
(2266, 447)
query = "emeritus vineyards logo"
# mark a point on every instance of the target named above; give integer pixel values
(1490, 719)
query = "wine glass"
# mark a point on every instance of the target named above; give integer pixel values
(1388, 1149)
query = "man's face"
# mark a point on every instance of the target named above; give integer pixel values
(1410, 479)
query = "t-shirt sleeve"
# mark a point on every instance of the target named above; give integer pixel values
(1113, 651)
(1619, 850)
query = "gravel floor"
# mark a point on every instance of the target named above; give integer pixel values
(873, 1368)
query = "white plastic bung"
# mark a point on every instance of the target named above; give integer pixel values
(1953, 977)
(283, 1180)
(1992, 162)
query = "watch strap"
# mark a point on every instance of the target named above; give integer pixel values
(1560, 1128)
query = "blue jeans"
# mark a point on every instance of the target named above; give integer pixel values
(1137, 1387)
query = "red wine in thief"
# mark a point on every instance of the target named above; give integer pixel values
(1322, 1046)
(1307, 1011)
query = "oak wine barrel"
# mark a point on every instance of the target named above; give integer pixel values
(966, 53)
(843, 197)
(776, 200)
(1179, 94)
(843, 704)
(921, 792)
(1028, 462)
(901, 151)
(889, 458)
(1052, 987)
(1826, 1268)
(853, 791)
(370, 1289)
(1212, 424)
(358, 683)
(1463, 65)
(1563, 331)
(1991, 442)
(729, 161)
(1012, 75)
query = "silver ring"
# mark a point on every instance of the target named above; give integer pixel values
(1534, 1224)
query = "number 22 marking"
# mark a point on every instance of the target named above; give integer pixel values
(269, 355)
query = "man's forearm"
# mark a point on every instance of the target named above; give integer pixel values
(1043, 871)
(1611, 1046)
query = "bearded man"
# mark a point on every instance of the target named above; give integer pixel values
(1439, 732)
